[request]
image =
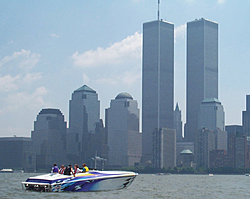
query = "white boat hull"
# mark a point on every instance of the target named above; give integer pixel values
(90, 181)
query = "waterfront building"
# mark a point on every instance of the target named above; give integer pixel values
(217, 158)
(49, 139)
(178, 124)
(202, 70)
(237, 151)
(185, 159)
(164, 148)
(240, 151)
(180, 146)
(204, 143)
(124, 139)
(16, 153)
(231, 132)
(157, 81)
(84, 114)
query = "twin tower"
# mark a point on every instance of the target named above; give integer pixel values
(158, 76)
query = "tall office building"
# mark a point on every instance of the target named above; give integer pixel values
(231, 130)
(204, 143)
(157, 81)
(211, 115)
(178, 124)
(124, 139)
(49, 138)
(246, 117)
(164, 148)
(237, 151)
(84, 114)
(202, 69)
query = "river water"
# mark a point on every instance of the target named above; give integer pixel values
(144, 186)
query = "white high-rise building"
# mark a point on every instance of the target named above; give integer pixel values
(211, 115)
(122, 124)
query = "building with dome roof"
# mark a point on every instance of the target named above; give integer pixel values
(122, 124)
(185, 158)
(124, 95)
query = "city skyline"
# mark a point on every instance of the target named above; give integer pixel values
(48, 49)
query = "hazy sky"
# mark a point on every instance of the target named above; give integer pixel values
(48, 49)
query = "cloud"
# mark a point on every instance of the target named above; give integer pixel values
(85, 78)
(221, 1)
(15, 102)
(54, 35)
(15, 70)
(129, 48)
(8, 83)
(24, 60)
(128, 78)
(31, 77)
(118, 64)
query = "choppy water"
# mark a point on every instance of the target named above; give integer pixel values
(144, 186)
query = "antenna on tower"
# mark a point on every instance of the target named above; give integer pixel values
(158, 10)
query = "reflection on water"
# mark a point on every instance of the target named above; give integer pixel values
(144, 186)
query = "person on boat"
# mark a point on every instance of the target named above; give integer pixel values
(84, 168)
(76, 169)
(55, 169)
(61, 170)
(69, 170)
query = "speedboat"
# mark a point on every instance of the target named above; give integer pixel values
(81, 182)
(6, 171)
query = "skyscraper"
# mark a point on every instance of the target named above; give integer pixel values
(211, 115)
(178, 124)
(157, 81)
(84, 114)
(202, 69)
(246, 117)
(124, 139)
(49, 138)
